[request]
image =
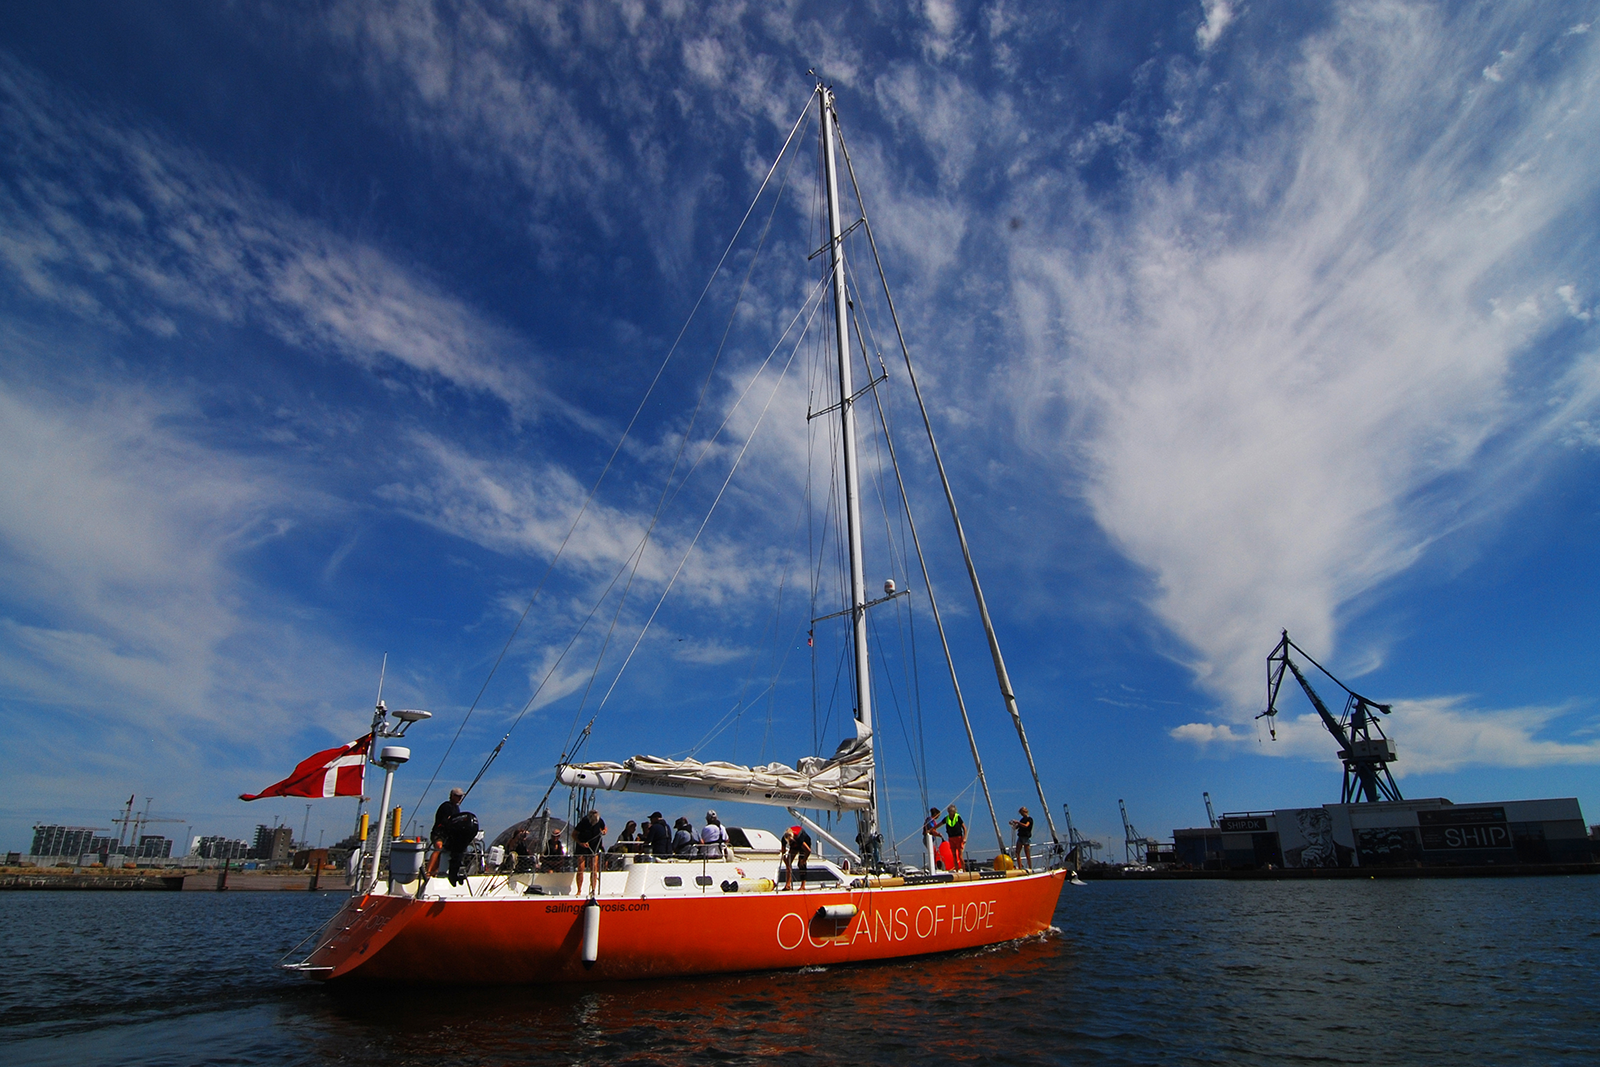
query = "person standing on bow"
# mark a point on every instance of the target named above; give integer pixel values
(712, 837)
(955, 830)
(1023, 824)
(590, 838)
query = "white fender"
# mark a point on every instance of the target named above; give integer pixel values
(591, 933)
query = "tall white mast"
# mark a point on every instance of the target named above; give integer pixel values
(852, 490)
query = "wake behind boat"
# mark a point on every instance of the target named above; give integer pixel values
(726, 909)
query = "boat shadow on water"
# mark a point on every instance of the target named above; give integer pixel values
(910, 1004)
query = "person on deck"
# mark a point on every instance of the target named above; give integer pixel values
(441, 821)
(712, 837)
(796, 850)
(658, 835)
(1023, 824)
(555, 846)
(517, 847)
(955, 829)
(628, 840)
(683, 837)
(590, 837)
(930, 834)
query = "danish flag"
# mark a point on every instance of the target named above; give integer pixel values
(337, 772)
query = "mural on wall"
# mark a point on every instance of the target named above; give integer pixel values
(1307, 838)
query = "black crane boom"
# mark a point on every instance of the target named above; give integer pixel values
(1366, 757)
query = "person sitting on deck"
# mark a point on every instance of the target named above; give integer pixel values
(628, 840)
(712, 837)
(517, 847)
(683, 837)
(658, 835)
(796, 849)
(555, 846)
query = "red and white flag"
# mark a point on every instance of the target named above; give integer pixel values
(337, 772)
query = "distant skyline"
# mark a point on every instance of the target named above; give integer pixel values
(318, 325)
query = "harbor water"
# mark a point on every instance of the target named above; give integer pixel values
(1483, 971)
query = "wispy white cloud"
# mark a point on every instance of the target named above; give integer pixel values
(120, 225)
(1277, 355)
(1218, 14)
(123, 601)
(1435, 735)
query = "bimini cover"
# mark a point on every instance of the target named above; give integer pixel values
(841, 783)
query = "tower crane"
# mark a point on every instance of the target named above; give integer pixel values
(133, 825)
(1211, 815)
(1363, 748)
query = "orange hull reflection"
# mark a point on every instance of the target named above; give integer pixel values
(540, 939)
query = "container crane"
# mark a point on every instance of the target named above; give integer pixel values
(1075, 839)
(1363, 748)
(1134, 843)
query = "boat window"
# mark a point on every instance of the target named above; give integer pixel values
(702, 879)
(672, 880)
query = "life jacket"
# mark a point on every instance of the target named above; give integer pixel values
(460, 830)
(954, 826)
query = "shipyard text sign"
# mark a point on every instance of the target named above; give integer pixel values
(1449, 829)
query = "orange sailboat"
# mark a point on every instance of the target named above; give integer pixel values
(725, 908)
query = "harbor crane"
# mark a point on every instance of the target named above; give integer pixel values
(1075, 839)
(1134, 843)
(1211, 815)
(1363, 748)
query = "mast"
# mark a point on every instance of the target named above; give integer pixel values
(868, 817)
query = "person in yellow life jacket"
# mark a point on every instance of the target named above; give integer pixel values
(955, 831)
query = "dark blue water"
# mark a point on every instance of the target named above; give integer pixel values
(1499, 971)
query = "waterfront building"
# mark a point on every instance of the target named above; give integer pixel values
(273, 844)
(53, 840)
(1403, 833)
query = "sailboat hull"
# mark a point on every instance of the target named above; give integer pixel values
(523, 939)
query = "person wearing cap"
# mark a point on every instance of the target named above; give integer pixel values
(1023, 824)
(712, 837)
(796, 849)
(682, 837)
(441, 821)
(658, 835)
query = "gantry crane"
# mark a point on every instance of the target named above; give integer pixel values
(1075, 840)
(1134, 843)
(1363, 748)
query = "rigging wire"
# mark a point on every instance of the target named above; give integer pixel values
(695, 540)
(668, 493)
(1001, 676)
(802, 120)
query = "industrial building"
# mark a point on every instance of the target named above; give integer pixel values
(1399, 833)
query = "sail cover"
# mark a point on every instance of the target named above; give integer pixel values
(841, 783)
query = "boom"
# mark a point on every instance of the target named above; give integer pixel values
(1366, 757)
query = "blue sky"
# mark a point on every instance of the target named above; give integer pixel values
(317, 325)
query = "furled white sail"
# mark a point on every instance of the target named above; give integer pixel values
(842, 783)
